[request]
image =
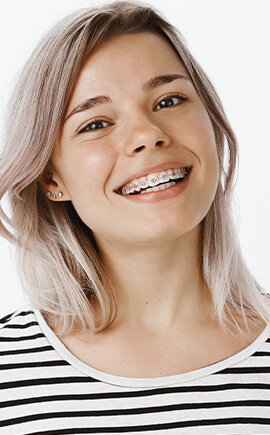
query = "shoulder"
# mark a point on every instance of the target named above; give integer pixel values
(25, 352)
(19, 331)
(12, 324)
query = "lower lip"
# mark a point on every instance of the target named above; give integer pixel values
(160, 195)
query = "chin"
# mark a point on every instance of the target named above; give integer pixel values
(163, 231)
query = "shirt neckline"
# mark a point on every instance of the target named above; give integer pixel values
(164, 381)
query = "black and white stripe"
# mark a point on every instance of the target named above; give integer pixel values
(46, 390)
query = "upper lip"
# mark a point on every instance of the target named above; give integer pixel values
(151, 170)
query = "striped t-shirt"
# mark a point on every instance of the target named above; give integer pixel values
(45, 390)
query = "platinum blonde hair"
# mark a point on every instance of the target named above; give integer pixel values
(58, 260)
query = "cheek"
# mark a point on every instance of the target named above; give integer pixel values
(86, 170)
(199, 133)
(197, 136)
(205, 148)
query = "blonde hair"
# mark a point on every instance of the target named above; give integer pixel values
(57, 258)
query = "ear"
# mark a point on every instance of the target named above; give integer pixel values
(52, 185)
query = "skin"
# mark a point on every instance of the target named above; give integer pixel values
(150, 249)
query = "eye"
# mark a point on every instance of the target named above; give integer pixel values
(169, 101)
(95, 124)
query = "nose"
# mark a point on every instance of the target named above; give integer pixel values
(144, 134)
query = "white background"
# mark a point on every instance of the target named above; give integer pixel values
(231, 40)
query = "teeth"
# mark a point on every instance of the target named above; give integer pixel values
(177, 173)
(164, 176)
(130, 189)
(136, 185)
(157, 188)
(173, 175)
(143, 182)
(153, 181)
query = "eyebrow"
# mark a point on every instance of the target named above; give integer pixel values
(89, 104)
(162, 80)
(153, 83)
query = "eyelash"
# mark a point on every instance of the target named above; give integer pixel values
(94, 121)
(170, 97)
(167, 97)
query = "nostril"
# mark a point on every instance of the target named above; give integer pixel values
(139, 148)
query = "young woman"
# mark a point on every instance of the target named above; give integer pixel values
(143, 316)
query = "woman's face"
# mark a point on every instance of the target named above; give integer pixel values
(135, 120)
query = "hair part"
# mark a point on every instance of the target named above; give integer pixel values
(61, 269)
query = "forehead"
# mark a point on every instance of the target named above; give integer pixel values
(128, 60)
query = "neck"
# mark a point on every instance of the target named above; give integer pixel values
(157, 286)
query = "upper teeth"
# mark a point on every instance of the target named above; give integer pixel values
(152, 180)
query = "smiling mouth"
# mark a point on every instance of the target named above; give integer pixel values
(154, 182)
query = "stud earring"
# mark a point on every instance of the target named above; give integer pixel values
(49, 176)
(59, 195)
